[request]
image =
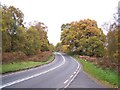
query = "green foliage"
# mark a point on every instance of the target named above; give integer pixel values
(6, 41)
(42, 31)
(15, 66)
(58, 47)
(95, 47)
(16, 37)
(51, 47)
(83, 37)
(32, 42)
(18, 66)
(65, 48)
(12, 18)
(102, 74)
(113, 42)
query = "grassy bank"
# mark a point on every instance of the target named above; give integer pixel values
(104, 75)
(16, 66)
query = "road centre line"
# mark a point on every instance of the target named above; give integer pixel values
(74, 72)
(71, 76)
(78, 69)
(66, 81)
(35, 75)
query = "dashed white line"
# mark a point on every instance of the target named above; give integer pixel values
(74, 72)
(71, 76)
(78, 69)
(35, 75)
(20, 80)
(66, 81)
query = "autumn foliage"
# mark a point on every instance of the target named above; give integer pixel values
(20, 42)
(83, 37)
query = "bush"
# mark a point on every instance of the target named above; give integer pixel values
(6, 41)
(40, 56)
(8, 57)
(107, 63)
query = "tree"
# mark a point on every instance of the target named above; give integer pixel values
(58, 47)
(6, 41)
(32, 42)
(79, 35)
(12, 19)
(95, 47)
(65, 48)
(42, 30)
(113, 42)
(51, 47)
(16, 37)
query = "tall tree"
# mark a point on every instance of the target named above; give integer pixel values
(42, 30)
(12, 19)
(79, 36)
(113, 42)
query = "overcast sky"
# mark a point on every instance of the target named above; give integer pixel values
(54, 13)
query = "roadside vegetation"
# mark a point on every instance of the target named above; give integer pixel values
(107, 76)
(22, 47)
(87, 41)
(17, 66)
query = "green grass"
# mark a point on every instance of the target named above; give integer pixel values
(105, 75)
(16, 66)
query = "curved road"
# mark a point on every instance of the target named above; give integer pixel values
(57, 74)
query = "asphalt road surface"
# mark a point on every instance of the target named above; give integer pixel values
(61, 73)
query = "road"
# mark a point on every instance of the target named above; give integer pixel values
(58, 74)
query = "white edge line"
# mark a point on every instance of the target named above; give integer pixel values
(35, 75)
(22, 71)
(78, 69)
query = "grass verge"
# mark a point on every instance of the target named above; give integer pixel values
(105, 75)
(17, 66)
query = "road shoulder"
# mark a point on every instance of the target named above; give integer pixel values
(85, 80)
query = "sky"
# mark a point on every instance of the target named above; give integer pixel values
(54, 13)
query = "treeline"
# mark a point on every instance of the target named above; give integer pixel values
(84, 38)
(16, 37)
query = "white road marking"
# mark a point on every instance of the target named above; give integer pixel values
(13, 73)
(35, 75)
(65, 81)
(78, 69)
(71, 76)
(74, 72)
